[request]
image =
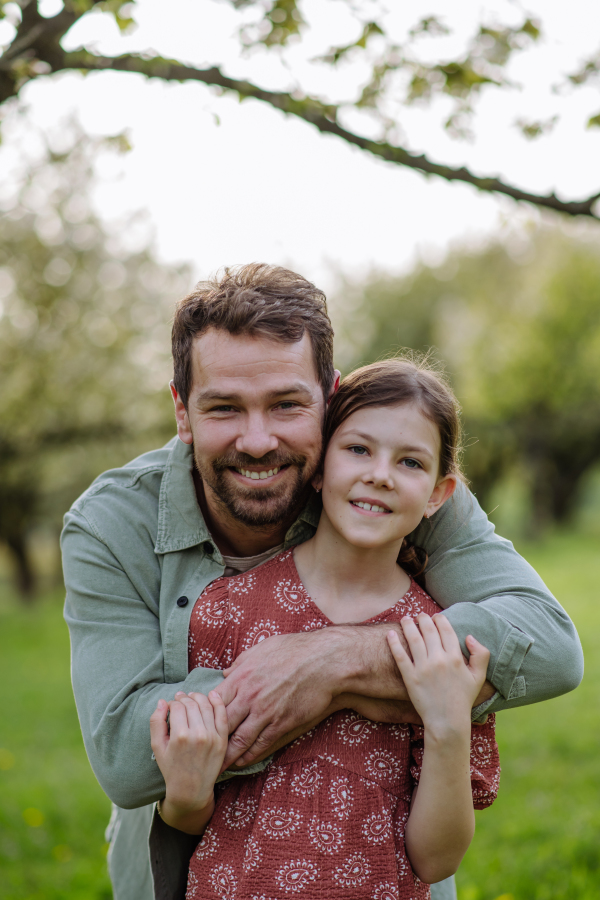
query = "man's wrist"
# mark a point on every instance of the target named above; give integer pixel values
(364, 662)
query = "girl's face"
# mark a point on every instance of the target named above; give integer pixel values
(380, 475)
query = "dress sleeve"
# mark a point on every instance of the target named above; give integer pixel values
(485, 761)
(209, 635)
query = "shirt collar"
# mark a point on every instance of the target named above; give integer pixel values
(180, 520)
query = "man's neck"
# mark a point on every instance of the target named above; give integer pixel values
(235, 538)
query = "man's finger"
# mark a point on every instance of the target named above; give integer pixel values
(242, 739)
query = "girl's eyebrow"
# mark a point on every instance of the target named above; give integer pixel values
(422, 451)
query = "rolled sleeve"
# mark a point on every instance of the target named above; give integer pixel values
(488, 590)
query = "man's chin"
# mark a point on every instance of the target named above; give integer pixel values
(260, 513)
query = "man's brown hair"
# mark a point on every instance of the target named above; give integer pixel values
(255, 299)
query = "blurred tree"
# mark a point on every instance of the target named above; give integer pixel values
(83, 341)
(518, 325)
(394, 72)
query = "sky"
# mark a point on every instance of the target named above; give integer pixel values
(227, 183)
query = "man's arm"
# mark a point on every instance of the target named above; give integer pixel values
(117, 662)
(487, 589)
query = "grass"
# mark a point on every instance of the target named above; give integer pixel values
(53, 813)
(538, 841)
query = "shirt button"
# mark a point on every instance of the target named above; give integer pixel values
(208, 548)
(182, 601)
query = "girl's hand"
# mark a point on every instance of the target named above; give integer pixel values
(189, 751)
(440, 685)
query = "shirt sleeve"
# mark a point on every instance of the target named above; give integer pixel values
(117, 662)
(485, 761)
(488, 590)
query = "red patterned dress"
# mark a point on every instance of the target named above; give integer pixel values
(326, 818)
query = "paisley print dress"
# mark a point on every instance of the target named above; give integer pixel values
(326, 818)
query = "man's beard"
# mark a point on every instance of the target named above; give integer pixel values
(258, 507)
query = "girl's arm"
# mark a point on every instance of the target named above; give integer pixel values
(442, 688)
(189, 750)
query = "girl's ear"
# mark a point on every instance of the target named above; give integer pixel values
(441, 492)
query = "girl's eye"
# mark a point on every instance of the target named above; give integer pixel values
(360, 451)
(411, 463)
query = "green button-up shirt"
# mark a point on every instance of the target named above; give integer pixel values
(136, 541)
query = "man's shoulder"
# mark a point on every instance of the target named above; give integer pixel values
(130, 490)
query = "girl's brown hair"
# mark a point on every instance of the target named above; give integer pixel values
(392, 382)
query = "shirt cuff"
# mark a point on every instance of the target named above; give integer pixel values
(248, 770)
(479, 713)
(508, 645)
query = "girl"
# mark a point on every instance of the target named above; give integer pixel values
(352, 809)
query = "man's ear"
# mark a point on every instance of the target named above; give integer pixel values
(317, 482)
(336, 384)
(441, 492)
(181, 417)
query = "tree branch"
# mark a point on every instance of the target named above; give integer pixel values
(322, 117)
(38, 41)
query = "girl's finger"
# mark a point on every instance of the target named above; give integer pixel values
(447, 634)
(398, 652)
(205, 711)
(178, 719)
(220, 713)
(429, 633)
(414, 639)
(159, 733)
(479, 659)
(195, 718)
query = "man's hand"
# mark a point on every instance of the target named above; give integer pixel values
(288, 683)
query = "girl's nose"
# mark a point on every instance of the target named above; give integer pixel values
(379, 475)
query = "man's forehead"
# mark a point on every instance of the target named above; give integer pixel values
(219, 356)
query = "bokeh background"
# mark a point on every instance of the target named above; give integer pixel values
(117, 193)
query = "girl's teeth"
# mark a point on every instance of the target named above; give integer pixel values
(368, 506)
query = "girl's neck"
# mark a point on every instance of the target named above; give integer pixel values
(349, 583)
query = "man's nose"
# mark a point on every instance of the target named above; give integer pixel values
(257, 438)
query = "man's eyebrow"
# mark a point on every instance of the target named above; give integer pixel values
(414, 448)
(297, 387)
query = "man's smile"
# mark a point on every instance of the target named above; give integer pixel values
(258, 474)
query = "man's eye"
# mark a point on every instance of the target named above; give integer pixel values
(411, 463)
(356, 448)
(222, 408)
(286, 404)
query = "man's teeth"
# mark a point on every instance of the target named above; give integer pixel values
(370, 506)
(266, 473)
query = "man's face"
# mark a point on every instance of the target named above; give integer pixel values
(255, 416)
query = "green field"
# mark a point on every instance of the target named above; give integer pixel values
(538, 841)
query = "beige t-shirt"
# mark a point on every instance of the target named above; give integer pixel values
(236, 565)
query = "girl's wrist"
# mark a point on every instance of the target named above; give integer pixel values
(191, 819)
(447, 734)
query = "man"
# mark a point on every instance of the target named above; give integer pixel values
(252, 374)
